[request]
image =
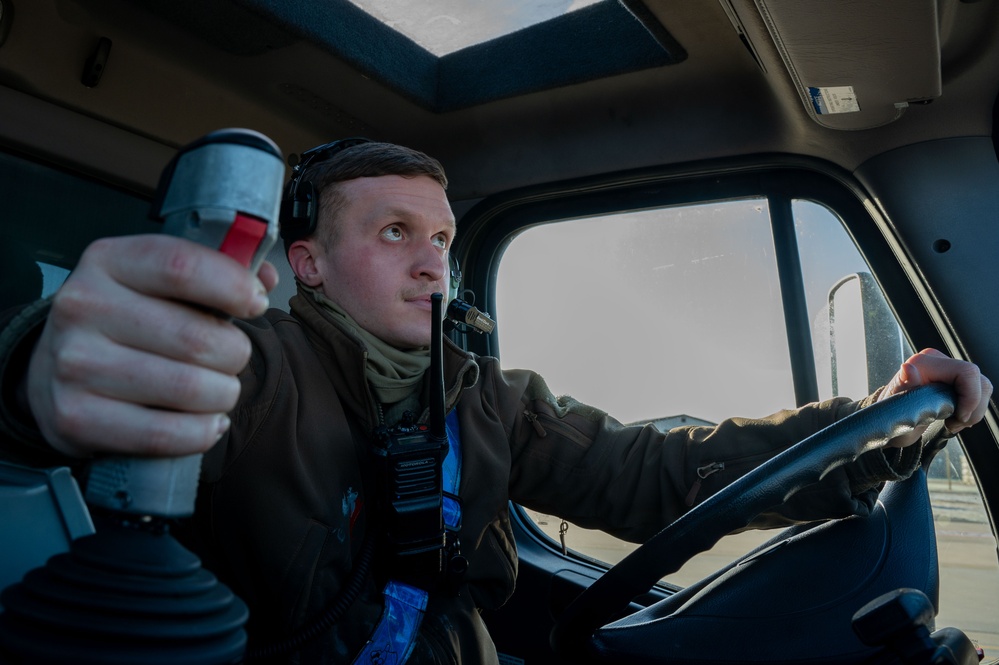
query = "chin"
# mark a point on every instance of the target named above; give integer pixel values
(414, 344)
(412, 340)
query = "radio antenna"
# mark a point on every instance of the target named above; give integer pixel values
(437, 367)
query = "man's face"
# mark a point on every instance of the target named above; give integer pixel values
(389, 255)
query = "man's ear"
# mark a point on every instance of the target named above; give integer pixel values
(302, 256)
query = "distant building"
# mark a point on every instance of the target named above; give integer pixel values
(666, 423)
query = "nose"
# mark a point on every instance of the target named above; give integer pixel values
(430, 262)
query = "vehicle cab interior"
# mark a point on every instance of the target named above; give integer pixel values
(678, 211)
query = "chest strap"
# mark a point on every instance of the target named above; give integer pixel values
(404, 605)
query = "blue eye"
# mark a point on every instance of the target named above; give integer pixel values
(441, 241)
(392, 233)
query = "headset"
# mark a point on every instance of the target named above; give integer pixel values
(299, 205)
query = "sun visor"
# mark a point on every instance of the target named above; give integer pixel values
(855, 64)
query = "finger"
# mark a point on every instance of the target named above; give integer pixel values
(268, 275)
(968, 386)
(971, 398)
(930, 359)
(92, 365)
(168, 267)
(964, 377)
(906, 378)
(181, 333)
(910, 375)
(987, 390)
(956, 424)
(162, 327)
(93, 302)
(89, 423)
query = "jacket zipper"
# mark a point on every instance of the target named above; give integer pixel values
(535, 423)
(702, 473)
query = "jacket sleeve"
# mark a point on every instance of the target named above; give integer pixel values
(575, 461)
(21, 441)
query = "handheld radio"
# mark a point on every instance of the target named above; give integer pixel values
(408, 463)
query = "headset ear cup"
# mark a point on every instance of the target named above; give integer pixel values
(298, 211)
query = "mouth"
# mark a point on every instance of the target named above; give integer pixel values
(420, 298)
(421, 301)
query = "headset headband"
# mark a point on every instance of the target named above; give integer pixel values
(300, 206)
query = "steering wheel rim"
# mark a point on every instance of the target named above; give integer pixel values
(736, 505)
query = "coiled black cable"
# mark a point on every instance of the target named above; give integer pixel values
(331, 615)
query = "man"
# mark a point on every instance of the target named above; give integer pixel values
(284, 405)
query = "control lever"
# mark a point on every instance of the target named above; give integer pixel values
(222, 191)
(130, 593)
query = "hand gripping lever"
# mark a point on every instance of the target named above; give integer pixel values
(222, 191)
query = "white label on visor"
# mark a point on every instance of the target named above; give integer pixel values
(836, 99)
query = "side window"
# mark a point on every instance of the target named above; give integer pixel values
(49, 217)
(662, 304)
(675, 316)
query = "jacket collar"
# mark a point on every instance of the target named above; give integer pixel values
(343, 355)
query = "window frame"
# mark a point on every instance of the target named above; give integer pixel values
(488, 227)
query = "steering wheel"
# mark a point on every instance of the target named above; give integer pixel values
(667, 631)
